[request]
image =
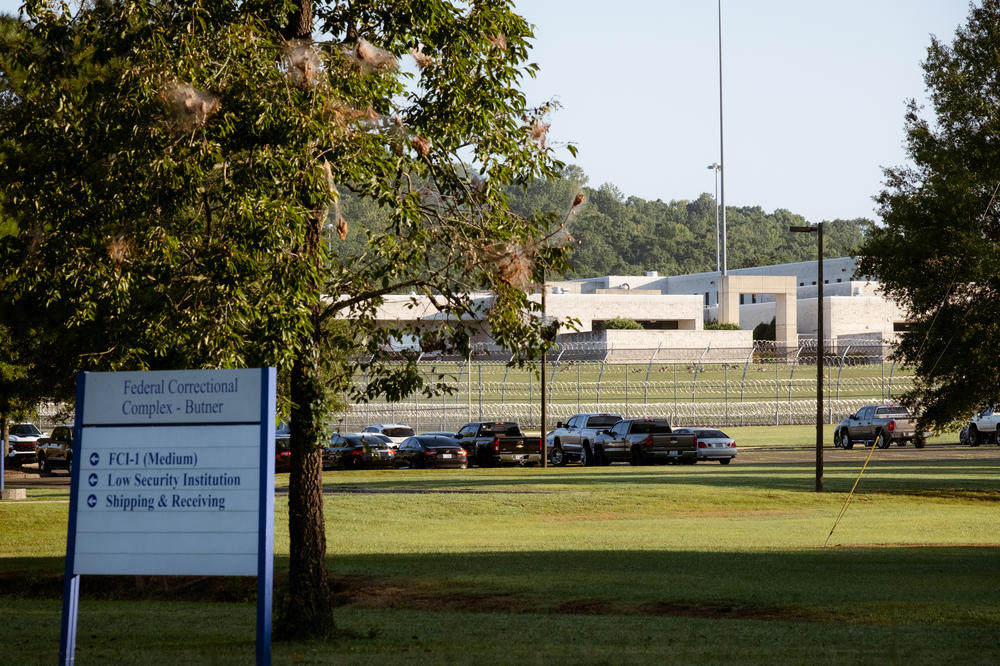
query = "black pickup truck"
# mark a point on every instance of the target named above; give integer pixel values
(643, 441)
(491, 443)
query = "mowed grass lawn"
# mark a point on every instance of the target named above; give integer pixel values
(677, 564)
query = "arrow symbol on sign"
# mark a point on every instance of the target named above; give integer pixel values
(92, 501)
(92, 479)
(94, 458)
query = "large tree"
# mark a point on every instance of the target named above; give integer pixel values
(175, 171)
(937, 252)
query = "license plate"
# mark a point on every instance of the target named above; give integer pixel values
(446, 455)
(673, 453)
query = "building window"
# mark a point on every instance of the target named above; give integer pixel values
(753, 299)
(813, 284)
(901, 326)
(838, 280)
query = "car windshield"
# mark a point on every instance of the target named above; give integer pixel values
(894, 412)
(651, 427)
(603, 421)
(25, 430)
(398, 431)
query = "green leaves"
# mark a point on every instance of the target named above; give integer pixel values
(936, 252)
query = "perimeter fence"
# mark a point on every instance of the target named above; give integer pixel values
(760, 385)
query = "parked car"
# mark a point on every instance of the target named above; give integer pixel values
(357, 451)
(21, 440)
(490, 443)
(56, 450)
(884, 424)
(713, 444)
(396, 432)
(982, 428)
(282, 454)
(574, 439)
(643, 441)
(431, 451)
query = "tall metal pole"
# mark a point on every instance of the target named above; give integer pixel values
(545, 448)
(819, 363)
(818, 230)
(722, 152)
(716, 166)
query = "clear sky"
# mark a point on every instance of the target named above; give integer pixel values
(813, 94)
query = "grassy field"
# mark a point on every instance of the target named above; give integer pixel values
(677, 564)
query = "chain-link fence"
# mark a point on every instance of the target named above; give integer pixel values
(759, 385)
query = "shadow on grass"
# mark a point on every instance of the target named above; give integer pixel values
(942, 585)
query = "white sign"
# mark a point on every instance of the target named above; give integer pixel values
(168, 500)
(173, 474)
(169, 470)
(172, 396)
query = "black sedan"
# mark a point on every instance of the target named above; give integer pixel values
(357, 452)
(431, 451)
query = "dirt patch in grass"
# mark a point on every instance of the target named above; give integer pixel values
(367, 592)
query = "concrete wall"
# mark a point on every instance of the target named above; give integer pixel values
(670, 346)
(685, 310)
(862, 316)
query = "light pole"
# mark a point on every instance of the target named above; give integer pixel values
(818, 230)
(716, 167)
(544, 415)
(722, 153)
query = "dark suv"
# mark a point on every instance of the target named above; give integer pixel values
(56, 450)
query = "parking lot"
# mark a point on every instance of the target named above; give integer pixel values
(28, 476)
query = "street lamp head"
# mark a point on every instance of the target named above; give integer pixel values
(714, 165)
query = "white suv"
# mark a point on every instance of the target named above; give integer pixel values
(397, 432)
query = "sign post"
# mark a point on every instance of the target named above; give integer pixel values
(173, 474)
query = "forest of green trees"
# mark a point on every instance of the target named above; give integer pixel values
(617, 235)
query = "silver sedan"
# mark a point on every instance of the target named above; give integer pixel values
(713, 444)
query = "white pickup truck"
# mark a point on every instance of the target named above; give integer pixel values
(982, 428)
(574, 439)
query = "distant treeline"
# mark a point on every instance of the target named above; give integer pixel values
(617, 235)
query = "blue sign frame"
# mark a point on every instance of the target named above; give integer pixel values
(265, 520)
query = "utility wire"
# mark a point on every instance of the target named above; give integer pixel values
(843, 509)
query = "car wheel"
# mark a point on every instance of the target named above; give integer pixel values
(846, 441)
(43, 465)
(975, 439)
(883, 442)
(584, 456)
(838, 439)
(637, 458)
(557, 457)
(725, 461)
(919, 442)
(69, 464)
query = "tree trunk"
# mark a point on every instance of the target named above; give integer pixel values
(308, 608)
